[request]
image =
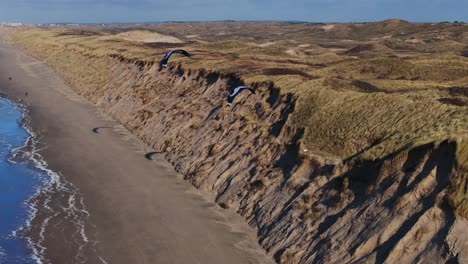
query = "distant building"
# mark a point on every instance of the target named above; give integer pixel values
(9, 24)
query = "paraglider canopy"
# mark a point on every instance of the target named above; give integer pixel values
(164, 61)
(235, 92)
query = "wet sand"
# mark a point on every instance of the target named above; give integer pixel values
(140, 210)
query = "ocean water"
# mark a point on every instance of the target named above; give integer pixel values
(20, 180)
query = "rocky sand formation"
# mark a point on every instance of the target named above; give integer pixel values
(307, 208)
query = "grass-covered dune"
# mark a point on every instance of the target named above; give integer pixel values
(377, 105)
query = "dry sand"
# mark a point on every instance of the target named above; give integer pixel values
(141, 211)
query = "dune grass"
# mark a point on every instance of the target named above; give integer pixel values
(385, 95)
(348, 105)
(458, 196)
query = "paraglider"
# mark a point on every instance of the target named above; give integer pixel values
(163, 63)
(235, 92)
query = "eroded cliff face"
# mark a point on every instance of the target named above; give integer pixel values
(307, 209)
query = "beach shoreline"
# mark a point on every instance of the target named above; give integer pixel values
(132, 210)
(23, 177)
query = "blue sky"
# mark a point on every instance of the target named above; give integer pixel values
(47, 11)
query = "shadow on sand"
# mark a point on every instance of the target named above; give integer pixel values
(149, 155)
(96, 129)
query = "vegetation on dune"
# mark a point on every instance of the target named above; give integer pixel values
(374, 124)
(365, 90)
(458, 196)
(427, 69)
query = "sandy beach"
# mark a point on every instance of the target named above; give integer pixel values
(135, 210)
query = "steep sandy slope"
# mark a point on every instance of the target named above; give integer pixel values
(307, 209)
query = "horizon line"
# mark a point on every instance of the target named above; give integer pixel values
(226, 20)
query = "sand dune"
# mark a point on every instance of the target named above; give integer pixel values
(147, 37)
(353, 152)
(141, 211)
